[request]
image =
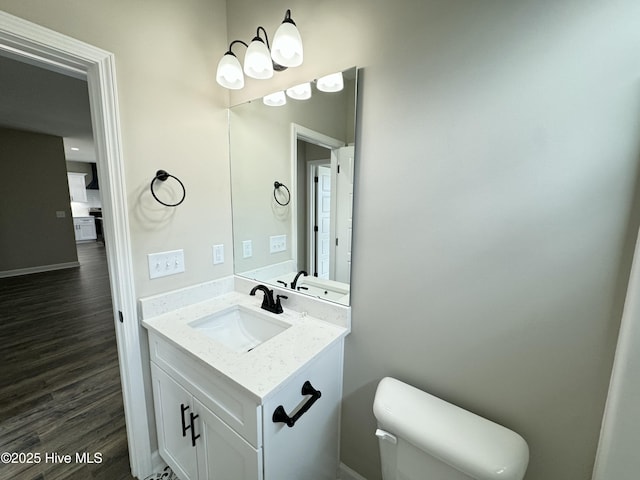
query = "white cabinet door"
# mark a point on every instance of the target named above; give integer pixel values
(76, 230)
(310, 448)
(173, 406)
(77, 189)
(222, 453)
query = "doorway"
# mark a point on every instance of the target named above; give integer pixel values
(322, 215)
(60, 389)
(30, 43)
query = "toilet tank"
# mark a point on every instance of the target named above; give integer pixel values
(424, 437)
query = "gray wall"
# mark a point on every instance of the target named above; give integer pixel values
(33, 187)
(498, 156)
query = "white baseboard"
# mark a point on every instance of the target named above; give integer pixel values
(160, 469)
(347, 473)
(344, 472)
(157, 461)
(42, 268)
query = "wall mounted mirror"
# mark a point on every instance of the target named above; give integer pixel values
(292, 190)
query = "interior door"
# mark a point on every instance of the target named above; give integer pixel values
(323, 222)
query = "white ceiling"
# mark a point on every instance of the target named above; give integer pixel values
(43, 101)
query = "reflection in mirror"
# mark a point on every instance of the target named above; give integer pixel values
(292, 190)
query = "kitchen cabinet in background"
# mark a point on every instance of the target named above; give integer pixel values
(84, 228)
(77, 189)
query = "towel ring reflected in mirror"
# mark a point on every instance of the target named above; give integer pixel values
(276, 188)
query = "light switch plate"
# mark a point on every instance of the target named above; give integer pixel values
(61, 214)
(247, 249)
(277, 243)
(166, 263)
(218, 254)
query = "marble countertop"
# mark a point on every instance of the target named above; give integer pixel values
(261, 370)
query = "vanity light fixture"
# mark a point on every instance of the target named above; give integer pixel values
(261, 60)
(257, 60)
(287, 43)
(275, 99)
(229, 73)
(300, 92)
(330, 83)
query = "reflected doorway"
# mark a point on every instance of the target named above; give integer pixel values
(323, 169)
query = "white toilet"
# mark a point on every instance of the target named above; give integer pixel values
(424, 438)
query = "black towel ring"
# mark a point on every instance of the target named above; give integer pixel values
(162, 176)
(276, 186)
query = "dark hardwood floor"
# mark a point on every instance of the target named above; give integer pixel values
(60, 386)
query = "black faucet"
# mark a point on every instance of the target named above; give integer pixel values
(268, 303)
(295, 280)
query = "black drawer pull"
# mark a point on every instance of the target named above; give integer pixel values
(184, 408)
(194, 437)
(280, 415)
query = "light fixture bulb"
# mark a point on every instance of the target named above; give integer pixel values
(257, 60)
(331, 83)
(287, 44)
(275, 99)
(229, 73)
(300, 92)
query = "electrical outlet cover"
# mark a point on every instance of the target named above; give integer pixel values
(247, 249)
(218, 254)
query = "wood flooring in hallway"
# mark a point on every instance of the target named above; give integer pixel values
(60, 386)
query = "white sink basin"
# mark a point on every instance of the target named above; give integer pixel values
(239, 328)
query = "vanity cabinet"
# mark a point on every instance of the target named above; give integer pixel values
(209, 426)
(194, 441)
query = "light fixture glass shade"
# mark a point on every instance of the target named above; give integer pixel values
(331, 83)
(300, 92)
(229, 73)
(257, 60)
(287, 45)
(275, 99)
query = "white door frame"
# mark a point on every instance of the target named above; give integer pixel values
(39, 46)
(619, 435)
